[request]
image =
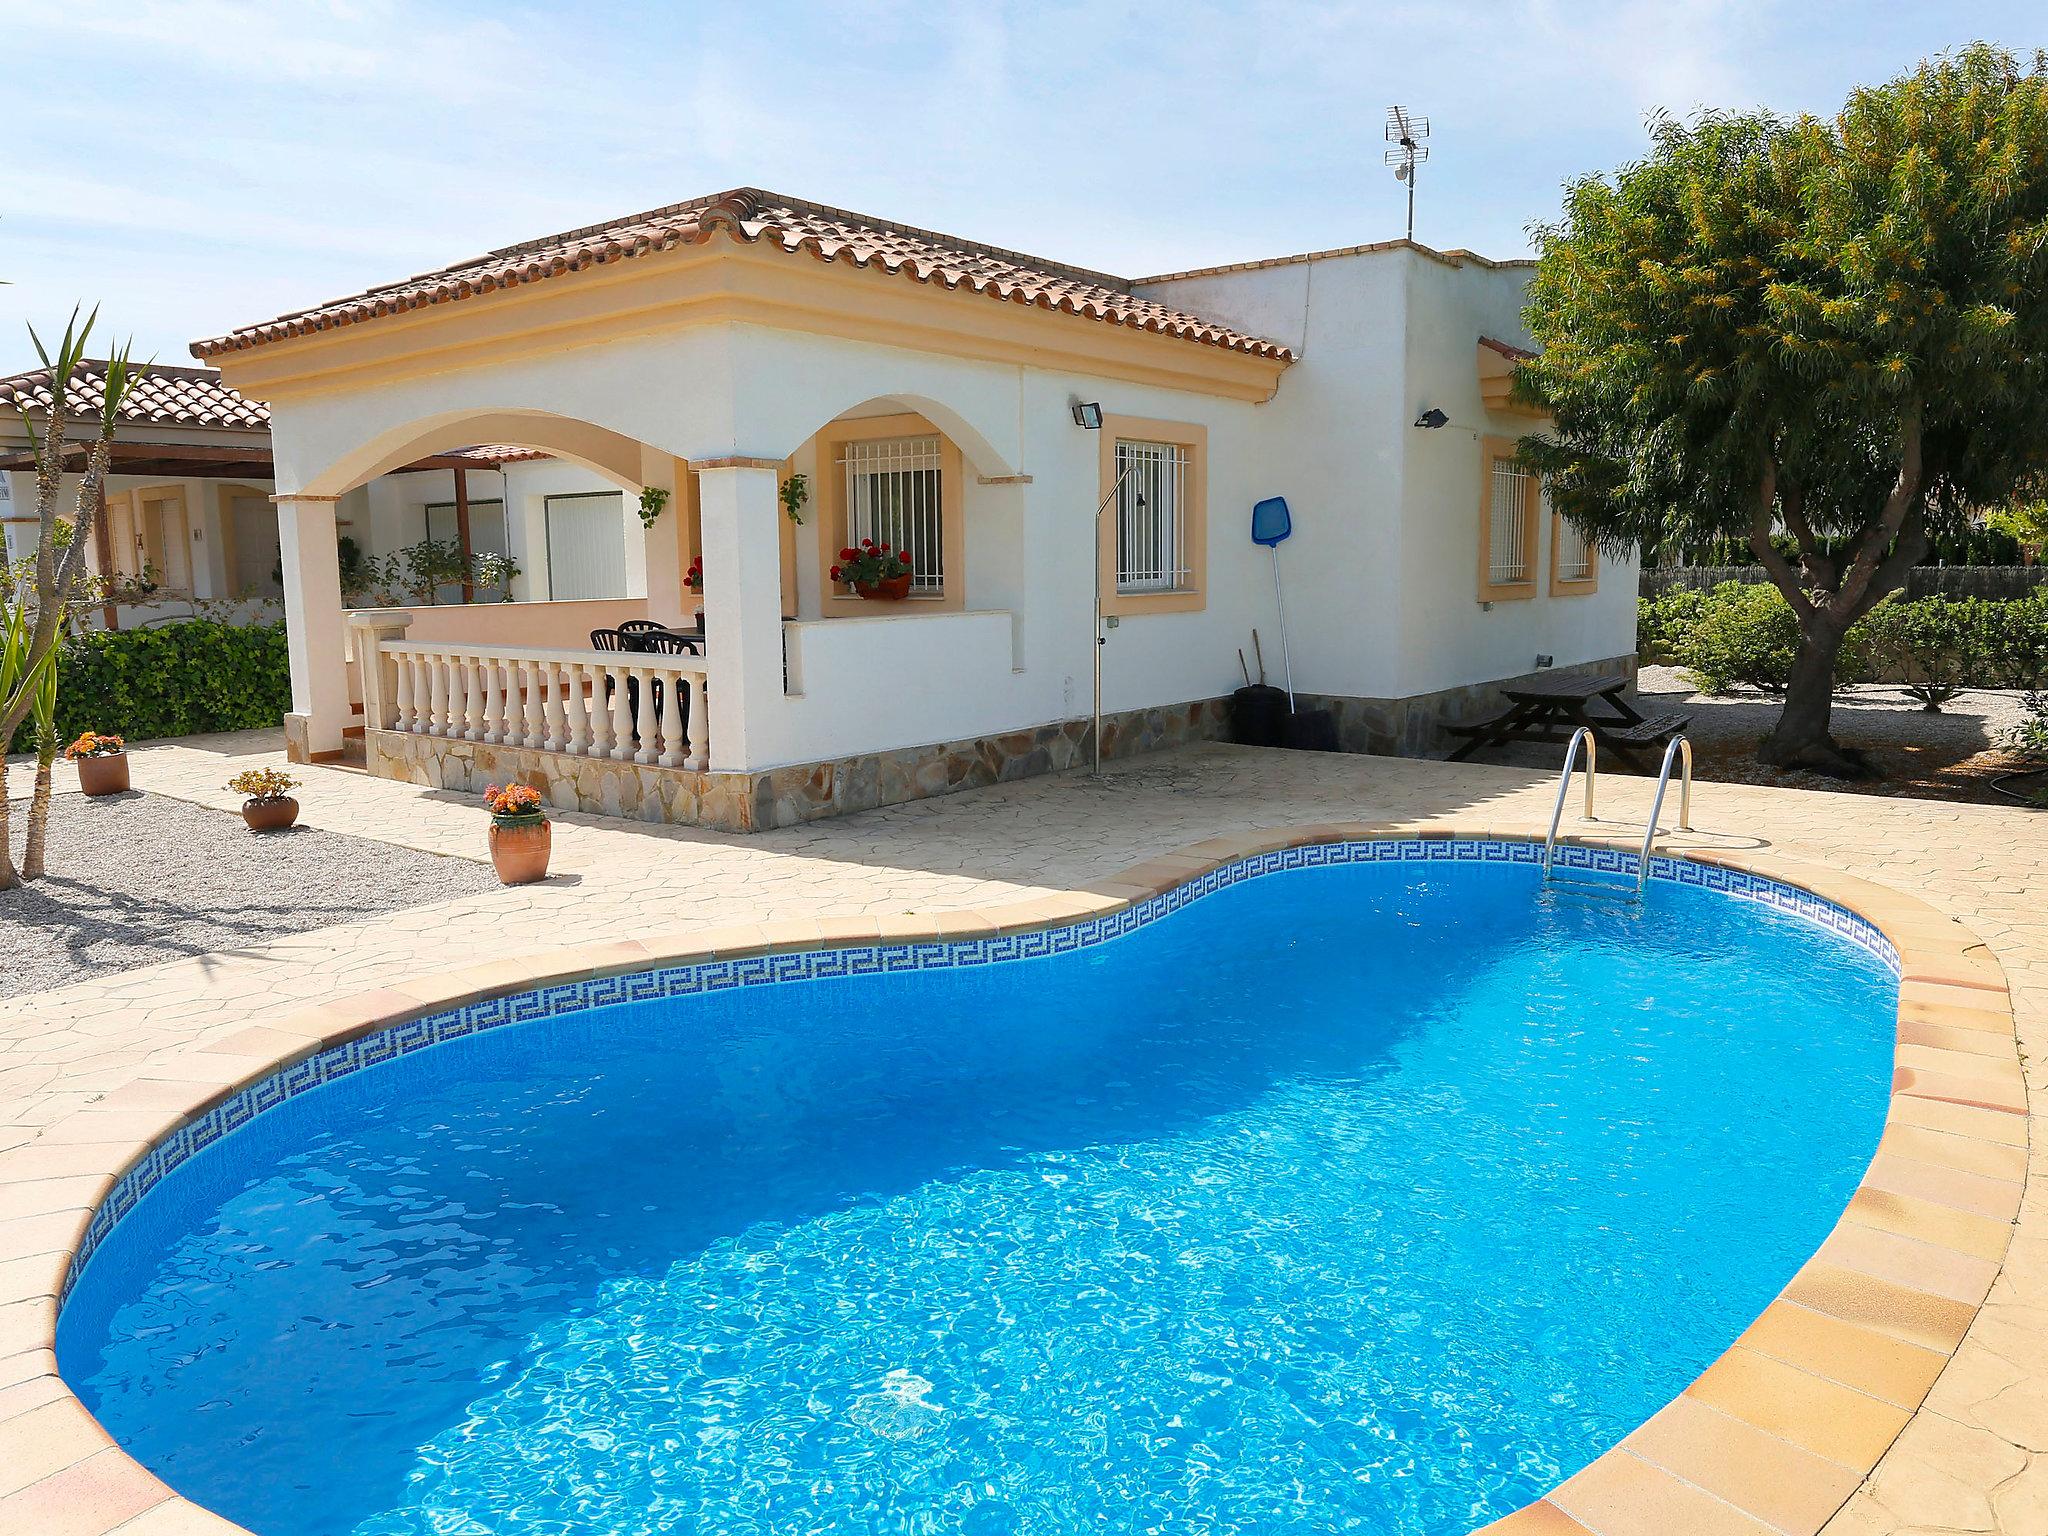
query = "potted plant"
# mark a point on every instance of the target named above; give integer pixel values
(693, 578)
(102, 763)
(876, 572)
(520, 837)
(267, 804)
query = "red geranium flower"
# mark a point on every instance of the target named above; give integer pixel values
(867, 543)
(835, 573)
(847, 554)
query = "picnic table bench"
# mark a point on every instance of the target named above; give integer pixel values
(1549, 709)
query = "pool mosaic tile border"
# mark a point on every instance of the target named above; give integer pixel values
(716, 975)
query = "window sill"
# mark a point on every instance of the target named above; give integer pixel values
(1128, 604)
(1507, 592)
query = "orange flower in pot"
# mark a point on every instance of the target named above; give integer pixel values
(875, 571)
(521, 839)
(102, 763)
(268, 805)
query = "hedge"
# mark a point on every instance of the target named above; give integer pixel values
(1936, 646)
(172, 680)
(1976, 545)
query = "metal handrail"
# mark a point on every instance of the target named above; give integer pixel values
(1564, 784)
(1682, 750)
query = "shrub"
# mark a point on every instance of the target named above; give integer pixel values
(1741, 634)
(1935, 646)
(1662, 620)
(173, 680)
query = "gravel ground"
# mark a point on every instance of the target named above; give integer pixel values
(138, 879)
(1951, 755)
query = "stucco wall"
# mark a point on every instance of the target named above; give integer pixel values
(1380, 575)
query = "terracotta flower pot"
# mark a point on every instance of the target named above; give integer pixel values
(272, 815)
(894, 590)
(519, 847)
(107, 775)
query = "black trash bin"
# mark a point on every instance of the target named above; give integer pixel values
(1258, 716)
(1311, 730)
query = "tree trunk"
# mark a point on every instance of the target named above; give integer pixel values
(38, 814)
(8, 878)
(1801, 738)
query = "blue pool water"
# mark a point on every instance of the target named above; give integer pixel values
(1376, 1197)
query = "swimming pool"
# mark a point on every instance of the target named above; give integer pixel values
(1375, 1190)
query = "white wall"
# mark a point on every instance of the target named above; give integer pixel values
(1382, 573)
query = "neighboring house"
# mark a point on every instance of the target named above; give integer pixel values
(926, 388)
(188, 522)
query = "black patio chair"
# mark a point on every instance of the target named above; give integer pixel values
(668, 643)
(640, 627)
(615, 640)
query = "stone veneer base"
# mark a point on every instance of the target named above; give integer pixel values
(782, 797)
(1415, 726)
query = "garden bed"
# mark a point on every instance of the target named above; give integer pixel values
(139, 879)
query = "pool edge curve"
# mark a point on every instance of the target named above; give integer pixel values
(1781, 1429)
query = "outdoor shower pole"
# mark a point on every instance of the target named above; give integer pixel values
(1100, 639)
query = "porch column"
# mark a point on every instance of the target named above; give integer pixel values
(662, 544)
(742, 606)
(312, 622)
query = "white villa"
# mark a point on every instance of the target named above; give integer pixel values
(788, 378)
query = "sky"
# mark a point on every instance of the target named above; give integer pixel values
(195, 165)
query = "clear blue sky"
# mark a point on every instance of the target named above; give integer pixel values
(196, 166)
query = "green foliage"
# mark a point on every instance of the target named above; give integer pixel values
(2030, 737)
(175, 680)
(1935, 647)
(1740, 634)
(1663, 621)
(1763, 293)
(652, 499)
(794, 493)
(1988, 543)
(417, 573)
(2025, 522)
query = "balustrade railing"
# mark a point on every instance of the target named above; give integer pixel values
(627, 706)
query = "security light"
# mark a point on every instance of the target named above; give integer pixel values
(1432, 419)
(1088, 415)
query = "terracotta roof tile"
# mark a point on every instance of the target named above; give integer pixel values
(1507, 349)
(751, 217)
(172, 397)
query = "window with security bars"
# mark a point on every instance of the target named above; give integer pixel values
(1151, 517)
(893, 497)
(1574, 554)
(1508, 541)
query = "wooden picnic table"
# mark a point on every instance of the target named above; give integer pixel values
(1550, 709)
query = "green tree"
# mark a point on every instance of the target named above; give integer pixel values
(35, 610)
(1835, 328)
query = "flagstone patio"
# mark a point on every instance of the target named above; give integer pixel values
(1974, 1458)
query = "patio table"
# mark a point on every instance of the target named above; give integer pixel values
(1548, 710)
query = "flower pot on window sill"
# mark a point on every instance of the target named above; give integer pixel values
(270, 815)
(894, 590)
(520, 846)
(105, 774)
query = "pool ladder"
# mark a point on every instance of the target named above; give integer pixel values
(1679, 749)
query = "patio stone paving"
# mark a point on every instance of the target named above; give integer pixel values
(1974, 1458)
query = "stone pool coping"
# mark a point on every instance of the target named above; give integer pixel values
(1773, 1437)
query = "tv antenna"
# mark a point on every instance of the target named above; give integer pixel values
(1406, 133)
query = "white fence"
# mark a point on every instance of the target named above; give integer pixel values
(581, 703)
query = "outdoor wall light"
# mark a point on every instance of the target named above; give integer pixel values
(1432, 419)
(1088, 415)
